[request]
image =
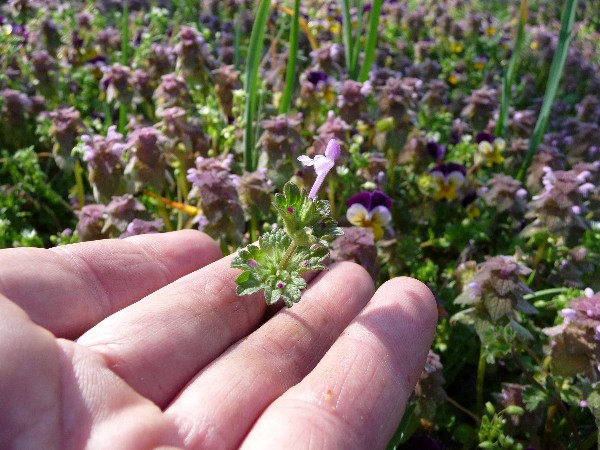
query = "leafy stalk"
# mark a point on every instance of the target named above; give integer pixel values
(509, 75)
(371, 41)
(556, 70)
(251, 82)
(480, 383)
(277, 263)
(286, 98)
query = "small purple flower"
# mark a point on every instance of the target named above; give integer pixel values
(323, 164)
(370, 200)
(475, 290)
(483, 136)
(436, 151)
(316, 76)
(280, 285)
(138, 226)
(252, 263)
(568, 313)
(586, 188)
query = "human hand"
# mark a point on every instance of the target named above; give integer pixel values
(142, 343)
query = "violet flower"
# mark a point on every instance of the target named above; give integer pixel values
(448, 179)
(323, 164)
(370, 210)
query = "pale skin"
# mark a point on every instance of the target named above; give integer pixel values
(142, 343)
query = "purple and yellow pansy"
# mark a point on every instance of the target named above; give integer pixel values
(370, 209)
(447, 179)
(489, 149)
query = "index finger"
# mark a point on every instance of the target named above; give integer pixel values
(71, 288)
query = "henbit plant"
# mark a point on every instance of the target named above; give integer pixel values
(277, 263)
(556, 70)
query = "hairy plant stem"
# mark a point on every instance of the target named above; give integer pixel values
(162, 211)
(480, 380)
(181, 179)
(79, 188)
(558, 403)
(543, 292)
(550, 413)
(288, 255)
(253, 228)
(331, 196)
(463, 410)
(567, 415)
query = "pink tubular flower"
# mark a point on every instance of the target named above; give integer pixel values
(323, 164)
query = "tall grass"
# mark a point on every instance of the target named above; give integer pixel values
(371, 41)
(286, 98)
(352, 46)
(353, 67)
(237, 38)
(251, 83)
(347, 34)
(124, 58)
(556, 70)
(509, 75)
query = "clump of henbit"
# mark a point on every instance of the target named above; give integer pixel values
(277, 263)
(497, 289)
(575, 344)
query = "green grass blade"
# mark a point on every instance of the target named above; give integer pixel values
(124, 58)
(347, 34)
(556, 70)
(237, 34)
(371, 41)
(356, 49)
(509, 75)
(286, 98)
(251, 82)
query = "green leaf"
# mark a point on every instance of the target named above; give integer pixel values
(534, 397)
(248, 287)
(263, 269)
